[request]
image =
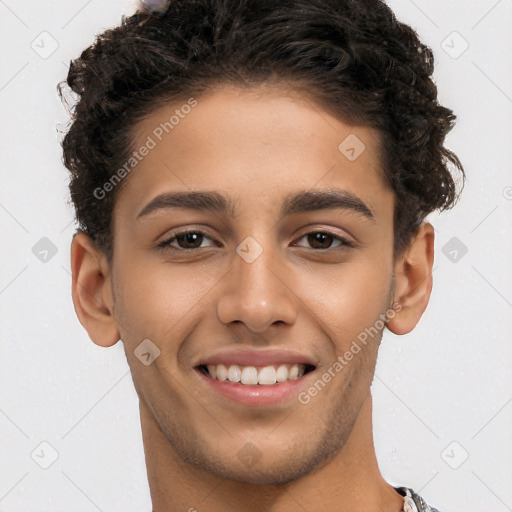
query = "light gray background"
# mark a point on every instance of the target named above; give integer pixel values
(441, 393)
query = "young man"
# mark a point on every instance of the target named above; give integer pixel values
(251, 181)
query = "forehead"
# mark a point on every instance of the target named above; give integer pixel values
(251, 143)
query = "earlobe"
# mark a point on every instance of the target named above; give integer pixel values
(413, 281)
(91, 291)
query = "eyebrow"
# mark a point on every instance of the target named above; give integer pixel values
(304, 201)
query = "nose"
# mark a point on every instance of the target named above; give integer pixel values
(257, 292)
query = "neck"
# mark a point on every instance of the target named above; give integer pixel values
(349, 481)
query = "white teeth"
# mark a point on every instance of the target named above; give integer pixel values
(234, 373)
(212, 370)
(221, 372)
(267, 375)
(282, 373)
(294, 372)
(251, 375)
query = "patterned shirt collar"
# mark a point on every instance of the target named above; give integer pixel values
(413, 502)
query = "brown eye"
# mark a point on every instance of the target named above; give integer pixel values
(185, 239)
(190, 240)
(324, 240)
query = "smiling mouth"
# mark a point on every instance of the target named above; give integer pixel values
(255, 375)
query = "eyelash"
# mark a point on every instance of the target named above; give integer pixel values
(166, 244)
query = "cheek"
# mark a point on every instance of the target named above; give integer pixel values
(154, 300)
(349, 299)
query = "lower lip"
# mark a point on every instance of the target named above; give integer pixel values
(258, 395)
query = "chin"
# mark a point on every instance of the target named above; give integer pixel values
(268, 476)
(253, 467)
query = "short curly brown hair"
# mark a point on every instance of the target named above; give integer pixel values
(352, 56)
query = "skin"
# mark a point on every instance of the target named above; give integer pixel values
(255, 146)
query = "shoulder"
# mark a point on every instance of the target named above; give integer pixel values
(415, 500)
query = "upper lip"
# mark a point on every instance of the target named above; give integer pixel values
(252, 357)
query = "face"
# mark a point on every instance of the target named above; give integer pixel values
(267, 270)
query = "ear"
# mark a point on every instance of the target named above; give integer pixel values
(92, 291)
(413, 280)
